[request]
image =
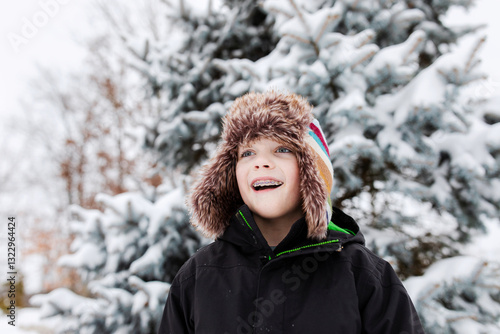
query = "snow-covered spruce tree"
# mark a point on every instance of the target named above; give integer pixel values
(127, 254)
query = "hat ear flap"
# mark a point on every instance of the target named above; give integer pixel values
(314, 195)
(215, 195)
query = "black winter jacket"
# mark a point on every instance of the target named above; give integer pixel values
(238, 284)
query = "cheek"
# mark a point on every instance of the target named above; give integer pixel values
(294, 176)
(240, 177)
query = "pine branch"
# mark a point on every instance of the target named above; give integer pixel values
(329, 19)
(489, 286)
(461, 318)
(429, 293)
(334, 43)
(301, 17)
(274, 10)
(362, 60)
(474, 52)
(479, 271)
(366, 37)
(413, 48)
(300, 39)
(251, 72)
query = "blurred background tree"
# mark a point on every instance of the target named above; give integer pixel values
(89, 147)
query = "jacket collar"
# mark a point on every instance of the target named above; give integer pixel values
(245, 234)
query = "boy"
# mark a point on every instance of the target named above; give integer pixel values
(283, 260)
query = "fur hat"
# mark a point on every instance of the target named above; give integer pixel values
(286, 118)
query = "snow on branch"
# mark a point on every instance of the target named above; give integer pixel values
(458, 292)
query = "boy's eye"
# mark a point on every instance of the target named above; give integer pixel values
(246, 154)
(283, 150)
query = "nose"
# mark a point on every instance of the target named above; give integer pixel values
(263, 166)
(263, 161)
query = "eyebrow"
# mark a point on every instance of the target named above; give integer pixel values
(277, 144)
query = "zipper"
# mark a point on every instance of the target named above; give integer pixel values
(265, 259)
(308, 246)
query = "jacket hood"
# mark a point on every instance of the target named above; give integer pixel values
(286, 118)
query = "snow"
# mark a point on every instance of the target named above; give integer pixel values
(470, 151)
(393, 57)
(164, 210)
(483, 11)
(408, 17)
(156, 292)
(88, 256)
(285, 8)
(475, 269)
(311, 27)
(151, 261)
(444, 271)
(131, 206)
(468, 326)
(239, 88)
(485, 245)
(28, 321)
(60, 300)
(35, 263)
(114, 295)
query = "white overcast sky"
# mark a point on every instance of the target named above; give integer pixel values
(54, 43)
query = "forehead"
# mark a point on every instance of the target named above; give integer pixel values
(271, 141)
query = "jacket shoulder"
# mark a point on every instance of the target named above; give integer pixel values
(365, 262)
(203, 256)
(214, 254)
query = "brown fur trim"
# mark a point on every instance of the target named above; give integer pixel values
(314, 195)
(282, 117)
(215, 195)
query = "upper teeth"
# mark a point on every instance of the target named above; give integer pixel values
(266, 183)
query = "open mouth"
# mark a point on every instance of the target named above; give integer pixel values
(266, 184)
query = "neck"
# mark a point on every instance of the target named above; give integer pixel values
(275, 230)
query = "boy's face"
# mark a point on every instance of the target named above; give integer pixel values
(268, 179)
